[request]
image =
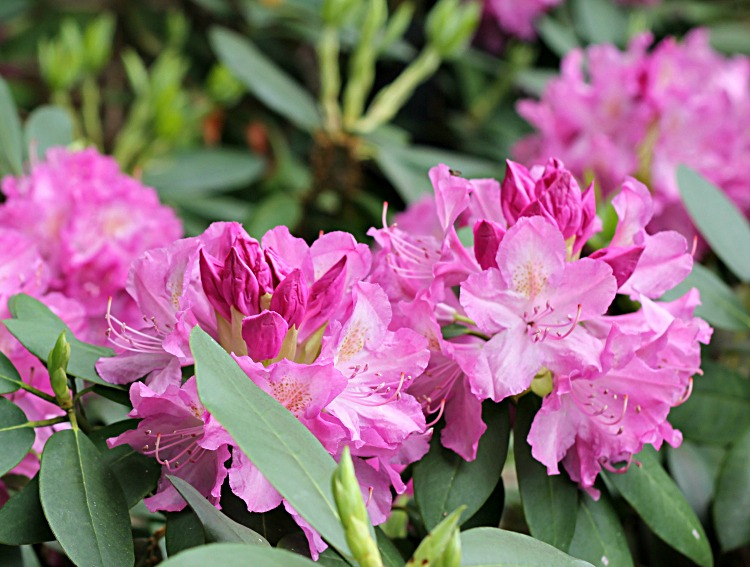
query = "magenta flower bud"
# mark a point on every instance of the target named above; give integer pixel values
(517, 191)
(558, 199)
(240, 284)
(487, 237)
(264, 334)
(325, 296)
(211, 282)
(290, 298)
(622, 260)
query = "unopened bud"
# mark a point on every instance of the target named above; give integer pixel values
(57, 365)
(451, 25)
(439, 541)
(97, 42)
(335, 12)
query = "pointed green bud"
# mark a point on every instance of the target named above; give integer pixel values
(452, 555)
(451, 25)
(97, 42)
(440, 540)
(57, 365)
(353, 514)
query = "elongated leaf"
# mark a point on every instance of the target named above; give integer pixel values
(283, 449)
(22, 520)
(388, 552)
(443, 480)
(46, 127)
(11, 142)
(550, 502)
(16, 438)
(599, 537)
(218, 527)
(732, 503)
(558, 37)
(695, 470)
(202, 172)
(718, 219)
(600, 21)
(719, 304)
(38, 329)
(718, 410)
(10, 379)
(264, 79)
(184, 530)
(237, 555)
(661, 505)
(492, 547)
(83, 502)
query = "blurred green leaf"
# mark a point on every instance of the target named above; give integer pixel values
(276, 210)
(189, 174)
(47, 126)
(599, 536)
(237, 555)
(660, 504)
(218, 208)
(719, 220)
(558, 37)
(16, 438)
(22, 520)
(11, 141)
(264, 79)
(732, 503)
(184, 530)
(600, 21)
(83, 502)
(730, 37)
(695, 469)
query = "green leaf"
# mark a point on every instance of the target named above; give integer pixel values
(695, 470)
(22, 520)
(47, 126)
(16, 438)
(660, 504)
(550, 502)
(218, 527)
(718, 409)
(719, 304)
(443, 480)
(11, 556)
(492, 547)
(137, 474)
(237, 555)
(10, 379)
(11, 142)
(264, 79)
(719, 220)
(388, 552)
(600, 21)
(83, 502)
(38, 329)
(283, 449)
(275, 210)
(732, 502)
(730, 37)
(559, 37)
(184, 530)
(202, 172)
(329, 558)
(599, 537)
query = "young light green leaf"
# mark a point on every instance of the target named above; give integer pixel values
(16, 438)
(11, 142)
(237, 555)
(218, 527)
(660, 504)
(202, 172)
(492, 547)
(550, 502)
(47, 126)
(599, 537)
(10, 379)
(83, 502)
(264, 79)
(284, 450)
(719, 220)
(38, 329)
(733, 497)
(22, 520)
(443, 480)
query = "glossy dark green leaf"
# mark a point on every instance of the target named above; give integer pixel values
(11, 556)
(283, 449)
(217, 526)
(492, 547)
(388, 552)
(184, 530)
(660, 504)
(600, 21)
(550, 502)
(719, 306)
(599, 536)
(47, 126)
(10, 379)
(38, 329)
(719, 220)
(16, 438)
(732, 502)
(237, 555)
(443, 480)
(718, 410)
(695, 469)
(83, 502)
(264, 79)
(329, 558)
(11, 141)
(202, 172)
(22, 520)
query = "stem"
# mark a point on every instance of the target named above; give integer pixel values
(91, 99)
(46, 422)
(46, 397)
(330, 78)
(458, 318)
(82, 393)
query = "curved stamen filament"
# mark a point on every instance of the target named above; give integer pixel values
(686, 393)
(440, 410)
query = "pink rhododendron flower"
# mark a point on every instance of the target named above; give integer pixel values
(516, 17)
(89, 222)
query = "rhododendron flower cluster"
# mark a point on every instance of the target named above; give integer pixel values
(516, 17)
(641, 113)
(539, 317)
